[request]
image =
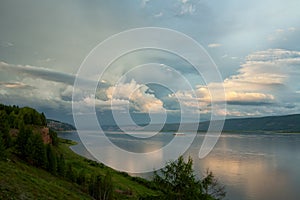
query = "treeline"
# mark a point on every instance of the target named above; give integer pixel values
(13, 115)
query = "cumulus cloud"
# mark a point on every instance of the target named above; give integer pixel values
(270, 67)
(267, 79)
(137, 95)
(40, 86)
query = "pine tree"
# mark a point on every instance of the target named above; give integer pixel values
(4, 129)
(61, 166)
(101, 189)
(70, 173)
(43, 119)
(7, 141)
(51, 159)
(107, 187)
(95, 186)
(35, 150)
(24, 134)
(3, 153)
(81, 179)
(54, 137)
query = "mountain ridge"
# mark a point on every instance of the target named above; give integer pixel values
(281, 123)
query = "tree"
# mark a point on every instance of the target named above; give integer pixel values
(51, 159)
(4, 129)
(211, 187)
(12, 119)
(101, 189)
(35, 150)
(81, 179)
(178, 181)
(3, 153)
(94, 186)
(61, 165)
(43, 119)
(70, 173)
(53, 136)
(107, 187)
(6, 137)
(22, 139)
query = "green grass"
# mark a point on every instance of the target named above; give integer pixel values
(121, 181)
(18, 180)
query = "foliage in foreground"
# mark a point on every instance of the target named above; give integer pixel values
(178, 181)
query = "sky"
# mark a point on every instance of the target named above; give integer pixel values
(255, 45)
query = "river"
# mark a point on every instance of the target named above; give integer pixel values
(252, 166)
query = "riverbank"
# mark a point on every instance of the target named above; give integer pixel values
(18, 180)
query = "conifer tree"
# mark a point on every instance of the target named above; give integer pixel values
(22, 139)
(51, 159)
(3, 153)
(61, 166)
(35, 150)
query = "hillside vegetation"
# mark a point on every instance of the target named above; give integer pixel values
(32, 167)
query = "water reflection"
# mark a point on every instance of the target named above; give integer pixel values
(255, 166)
(252, 166)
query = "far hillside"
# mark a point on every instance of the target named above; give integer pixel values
(59, 126)
(285, 123)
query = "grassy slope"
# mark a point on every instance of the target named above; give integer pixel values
(20, 181)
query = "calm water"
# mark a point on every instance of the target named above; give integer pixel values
(251, 166)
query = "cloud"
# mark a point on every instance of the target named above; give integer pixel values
(158, 15)
(46, 60)
(13, 85)
(214, 45)
(292, 29)
(248, 98)
(46, 90)
(144, 3)
(267, 79)
(187, 8)
(138, 96)
(281, 34)
(40, 72)
(263, 76)
(6, 44)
